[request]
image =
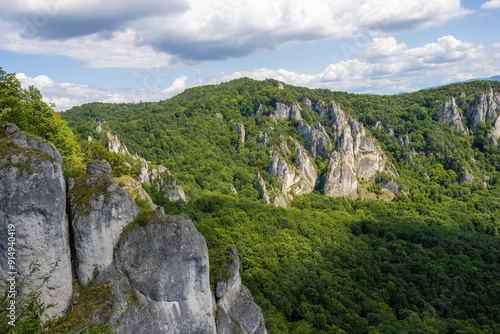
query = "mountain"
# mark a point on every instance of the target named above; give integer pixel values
(349, 213)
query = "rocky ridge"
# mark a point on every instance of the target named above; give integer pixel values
(154, 267)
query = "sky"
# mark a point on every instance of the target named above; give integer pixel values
(78, 52)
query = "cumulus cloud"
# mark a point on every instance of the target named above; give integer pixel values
(67, 95)
(492, 4)
(189, 31)
(385, 66)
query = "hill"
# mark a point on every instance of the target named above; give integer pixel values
(351, 213)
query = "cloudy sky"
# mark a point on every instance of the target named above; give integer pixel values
(78, 51)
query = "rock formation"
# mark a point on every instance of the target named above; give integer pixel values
(261, 188)
(263, 137)
(134, 189)
(341, 180)
(236, 309)
(466, 177)
(404, 141)
(317, 140)
(487, 108)
(295, 179)
(164, 181)
(114, 145)
(33, 206)
(448, 113)
(240, 129)
(99, 210)
(284, 111)
(161, 279)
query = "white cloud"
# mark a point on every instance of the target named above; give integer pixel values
(495, 45)
(385, 66)
(492, 4)
(67, 95)
(124, 34)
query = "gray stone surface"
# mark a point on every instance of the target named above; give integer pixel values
(10, 129)
(100, 209)
(164, 181)
(98, 167)
(341, 179)
(466, 177)
(317, 140)
(166, 265)
(261, 188)
(284, 111)
(33, 199)
(448, 113)
(236, 309)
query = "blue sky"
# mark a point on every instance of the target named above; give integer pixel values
(149, 50)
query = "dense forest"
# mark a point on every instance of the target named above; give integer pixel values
(425, 260)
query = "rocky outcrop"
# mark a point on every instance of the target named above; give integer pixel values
(466, 177)
(280, 85)
(341, 180)
(487, 108)
(164, 182)
(261, 188)
(114, 145)
(263, 137)
(317, 140)
(33, 212)
(448, 113)
(99, 209)
(135, 189)
(161, 279)
(236, 309)
(404, 141)
(240, 129)
(295, 179)
(284, 111)
(307, 103)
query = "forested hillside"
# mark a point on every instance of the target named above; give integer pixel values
(412, 247)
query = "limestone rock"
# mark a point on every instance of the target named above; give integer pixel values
(403, 142)
(466, 177)
(135, 189)
(284, 111)
(341, 179)
(232, 188)
(391, 187)
(100, 209)
(98, 167)
(261, 188)
(448, 113)
(487, 108)
(237, 311)
(306, 169)
(164, 265)
(240, 129)
(307, 103)
(164, 181)
(260, 110)
(378, 126)
(263, 137)
(317, 140)
(114, 145)
(33, 200)
(279, 85)
(10, 129)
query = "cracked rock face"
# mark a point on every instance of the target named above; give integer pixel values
(165, 264)
(341, 180)
(284, 111)
(261, 188)
(448, 113)
(237, 311)
(100, 209)
(33, 201)
(317, 140)
(164, 181)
